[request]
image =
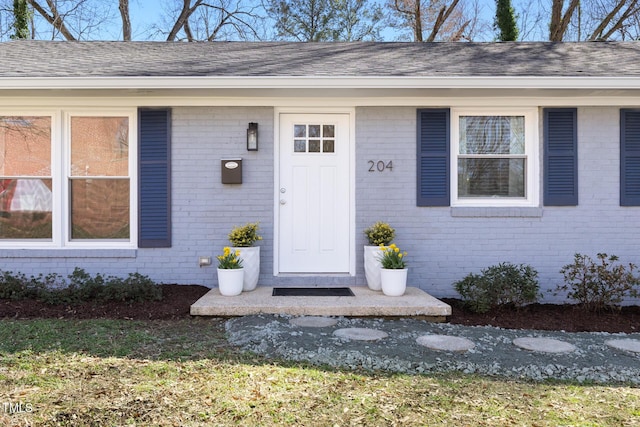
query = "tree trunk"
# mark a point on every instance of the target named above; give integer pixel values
(123, 6)
(559, 22)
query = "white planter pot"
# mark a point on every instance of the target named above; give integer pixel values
(372, 267)
(230, 281)
(251, 263)
(394, 281)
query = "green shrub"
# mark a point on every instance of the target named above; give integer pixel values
(53, 289)
(601, 284)
(499, 285)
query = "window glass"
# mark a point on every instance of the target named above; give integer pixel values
(491, 135)
(317, 138)
(491, 177)
(99, 146)
(100, 205)
(491, 157)
(100, 208)
(25, 178)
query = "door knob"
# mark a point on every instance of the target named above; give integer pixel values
(283, 202)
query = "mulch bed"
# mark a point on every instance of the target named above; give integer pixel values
(177, 300)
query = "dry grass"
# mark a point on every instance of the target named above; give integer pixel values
(183, 373)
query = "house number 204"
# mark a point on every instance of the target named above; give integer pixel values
(380, 165)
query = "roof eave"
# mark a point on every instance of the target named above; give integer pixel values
(323, 82)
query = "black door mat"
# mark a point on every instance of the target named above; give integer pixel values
(312, 292)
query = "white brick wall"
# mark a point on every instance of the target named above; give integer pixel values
(443, 244)
(443, 248)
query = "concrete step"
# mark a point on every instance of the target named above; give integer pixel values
(415, 302)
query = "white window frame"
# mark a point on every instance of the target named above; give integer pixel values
(532, 167)
(60, 171)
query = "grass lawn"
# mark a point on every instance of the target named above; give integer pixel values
(183, 373)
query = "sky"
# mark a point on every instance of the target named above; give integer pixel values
(145, 12)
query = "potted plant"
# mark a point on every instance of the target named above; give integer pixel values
(242, 240)
(230, 273)
(380, 233)
(393, 275)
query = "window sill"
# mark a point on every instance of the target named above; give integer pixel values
(496, 212)
(68, 253)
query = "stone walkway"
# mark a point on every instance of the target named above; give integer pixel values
(415, 346)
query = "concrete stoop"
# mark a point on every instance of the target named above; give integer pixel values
(415, 302)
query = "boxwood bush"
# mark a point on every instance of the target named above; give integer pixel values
(505, 284)
(80, 287)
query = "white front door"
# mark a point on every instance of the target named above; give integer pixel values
(314, 193)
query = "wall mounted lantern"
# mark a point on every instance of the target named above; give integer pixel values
(252, 137)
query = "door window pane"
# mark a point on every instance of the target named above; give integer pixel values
(314, 131)
(300, 146)
(314, 138)
(100, 208)
(328, 131)
(300, 131)
(314, 146)
(328, 146)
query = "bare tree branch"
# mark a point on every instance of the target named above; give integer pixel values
(54, 18)
(631, 10)
(443, 15)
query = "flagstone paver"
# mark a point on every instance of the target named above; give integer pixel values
(361, 334)
(544, 345)
(626, 345)
(445, 342)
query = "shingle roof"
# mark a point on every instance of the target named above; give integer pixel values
(263, 59)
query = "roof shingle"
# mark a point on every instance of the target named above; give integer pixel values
(30, 58)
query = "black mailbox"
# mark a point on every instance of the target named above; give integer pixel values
(231, 171)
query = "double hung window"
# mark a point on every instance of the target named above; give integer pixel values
(494, 158)
(66, 179)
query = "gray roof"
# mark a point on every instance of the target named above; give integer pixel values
(263, 59)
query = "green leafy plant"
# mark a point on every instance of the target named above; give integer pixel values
(392, 258)
(245, 236)
(499, 285)
(600, 284)
(53, 289)
(229, 259)
(380, 233)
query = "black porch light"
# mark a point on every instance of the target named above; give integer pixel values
(252, 137)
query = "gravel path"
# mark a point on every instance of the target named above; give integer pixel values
(494, 352)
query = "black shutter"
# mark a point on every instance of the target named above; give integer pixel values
(433, 157)
(629, 157)
(154, 180)
(560, 157)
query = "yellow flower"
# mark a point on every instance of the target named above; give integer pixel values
(396, 250)
(399, 255)
(237, 252)
(393, 246)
